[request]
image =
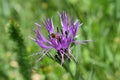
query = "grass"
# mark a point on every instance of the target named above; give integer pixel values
(99, 60)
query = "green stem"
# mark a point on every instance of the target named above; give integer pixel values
(67, 68)
(78, 75)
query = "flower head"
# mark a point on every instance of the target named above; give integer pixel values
(61, 39)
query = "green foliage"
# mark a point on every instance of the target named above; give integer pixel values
(99, 60)
(15, 35)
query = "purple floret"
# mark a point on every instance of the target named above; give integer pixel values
(61, 39)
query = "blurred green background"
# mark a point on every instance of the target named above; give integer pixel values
(99, 59)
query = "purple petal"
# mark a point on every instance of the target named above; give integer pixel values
(39, 34)
(55, 43)
(75, 27)
(64, 21)
(42, 45)
(65, 42)
(49, 25)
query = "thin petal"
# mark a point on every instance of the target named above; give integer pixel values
(64, 21)
(42, 45)
(39, 34)
(69, 52)
(37, 53)
(42, 55)
(62, 55)
(38, 25)
(74, 27)
(55, 44)
(49, 25)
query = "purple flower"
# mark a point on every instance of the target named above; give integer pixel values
(61, 39)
